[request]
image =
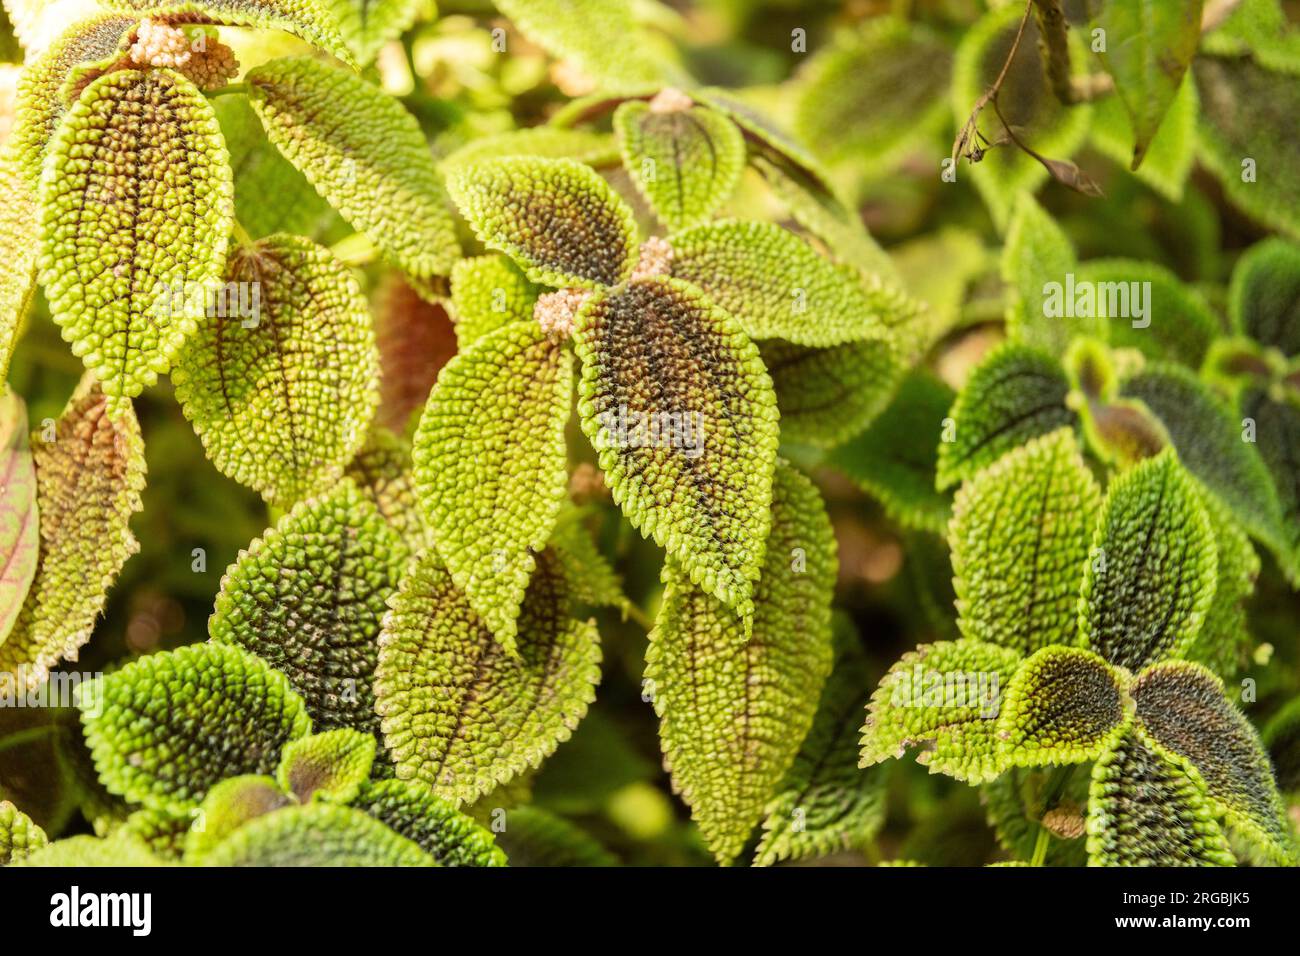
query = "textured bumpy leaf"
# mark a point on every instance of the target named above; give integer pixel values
(86, 851)
(308, 598)
(320, 834)
(826, 804)
(826, 396)
(1170, 156)
(1064, 705)
(136, 207)
(364, 153)
(875, 95)
(1015, 394)
(164, 729)
(271, 194)
(459, 713)
(683, 418)
(1147, 808)
(416, 338)
(163, 833)
(19, 245)
(602, 40)
(1248, 113)
(310, 19)
(552, 142)
(733, 711)
(330, 766)
(1282, 737)
(490, 465)
(1277, 436)
(1178, 324)
(227, 807)
(686, 163)
(778, 287)
(40, 101)
(366, 25)
(382, 470)
(19, 836)
(1265, 295)
(1019, 538)
(558, 219)
(594, 581)
(88, 484)
(1225, 642)
(1151, 576)
(488, 292)
(19, 516)
(1149, 46)
(895, 459)
(534, 837)
(410, 808)
(1026, 100)
(1183, 707)
(942, 698)
(1037, 253)
(1209, 440)
(282, 386)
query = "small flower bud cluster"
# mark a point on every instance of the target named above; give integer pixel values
(211, 66)
(670, 100)
(656, 259)
(555, 311)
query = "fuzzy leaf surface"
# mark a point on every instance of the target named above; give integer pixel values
(488, 292)
(19, 515)
(328, 766)
(411, 809)
(319, 834)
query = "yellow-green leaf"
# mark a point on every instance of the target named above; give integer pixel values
(319, 834)
(19, 515)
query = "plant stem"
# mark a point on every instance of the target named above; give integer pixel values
(640, 616)
(241, 234)
(1040, 847)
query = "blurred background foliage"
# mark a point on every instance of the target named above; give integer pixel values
(877, 90)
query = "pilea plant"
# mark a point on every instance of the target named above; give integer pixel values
(512, 368)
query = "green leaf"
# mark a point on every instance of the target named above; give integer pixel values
(1036, 261)
(19, 836)
(366, 25)
(490, 465)
(86, 851)
(88, 484)
(603, 40)
(312, 20)
(19, 515)
(19, 244)
(319, 834)
(330, 766)
(1178, 324)
(308, 597)
(778, 287)
(895, 459)
(826, 804)
(1027, 103)
(534, 837)
(271, 195)
(227, 807)
(163, 833)
(410, 808)
(1264, 301)
(942, 698)
(875, 95)
(826, 396)
(1019, 538)
(1211, 445)
(681, 412)
(1224, 641)
(1147, 808)
(380, 174)
(686, 162)
(1260, 29)
(281, 388)
(382, 472)
(1169, 157)
(1277, 437)
(129, 258)
(487, 293)
(1149, 45)
(1065, 705)
(459, 713)
(1015, 394)
(733, 708)
(594, 581)
(165, 728)
(556, 218)
(1183, 707)
(1150, 579)
(416, 339)
(1248, 114)
(41, 98)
